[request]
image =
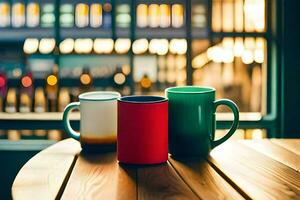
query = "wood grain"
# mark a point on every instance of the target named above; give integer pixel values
(275, 152)
(162, 182)
(204, 180)
(259, 176)
(290, 144)
(100, 177)
(43, 175)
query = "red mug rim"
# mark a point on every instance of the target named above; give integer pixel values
(142, 99)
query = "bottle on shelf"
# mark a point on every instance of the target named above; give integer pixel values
(96, 15)
(63, 99)
(86, 80)
(25, 103)
(52, 89)
(33, 14)
(40, 103)
(18, 14)
(145, 83)
(107, 15)
(82, 15)
(119, 77)
(11, 101)
(4, 14)
(40, 106)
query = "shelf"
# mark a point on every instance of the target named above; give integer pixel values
(150, 33)
(85, 33)
(20, 34)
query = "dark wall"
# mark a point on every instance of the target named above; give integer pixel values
(290, 51)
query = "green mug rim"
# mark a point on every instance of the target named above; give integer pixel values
(82, 97)
(206, 88)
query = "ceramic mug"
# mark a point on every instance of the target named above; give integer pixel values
(98, 118)
(192, 122)
(142, 130)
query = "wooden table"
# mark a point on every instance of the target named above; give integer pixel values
(257, 169)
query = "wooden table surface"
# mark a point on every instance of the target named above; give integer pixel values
(246, 169)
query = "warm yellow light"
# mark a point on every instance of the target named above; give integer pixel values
(177, 15)
(162, 47)
(140, 46)
(227, 55)
(46, 45)
(122, 45)
(257, 134)
(85, 79)
(227, 18)
(66, 46)
(83, 45)
(200, 60)
(82, 15)
(216, 54)
(119, 78)
(171, 76)
(142, 15)
(259, 55)
(126, 69)
(228, 42)
(96, 15)
(146, 83)
(247, 57)
(180, 62)
(250, 43)
(159, 46)
(178, 46)
(238, 48)
(31, 45)
(154, 15)
(51, 80)
(165, 17)
(105, 46)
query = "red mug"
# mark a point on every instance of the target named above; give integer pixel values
(142, 130)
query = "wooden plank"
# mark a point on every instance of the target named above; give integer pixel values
(45, 174)
(259, 176)
(290, 144)
(275, 152)
(204, 180)
(100, 177)
(162, 182)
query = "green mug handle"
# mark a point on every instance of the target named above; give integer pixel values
(235, 122)
(66, 121)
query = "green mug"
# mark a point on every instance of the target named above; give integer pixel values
(192, 121)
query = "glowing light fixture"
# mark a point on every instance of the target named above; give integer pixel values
(140, 46)
(238, 47)
(83, 45)
(31, 45)
(178, 46)
(247, 57)
(122, 45)
(119, 78)
(154, 15)
(66, 46)
(51, 80)
(26, 81)
(46, 45)
(159, 46)
(85, 79)
(105, 46)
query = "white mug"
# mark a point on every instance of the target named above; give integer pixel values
(98, 117)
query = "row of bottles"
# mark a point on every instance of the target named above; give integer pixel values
(94, 15)
(33, 14)
(238, 15)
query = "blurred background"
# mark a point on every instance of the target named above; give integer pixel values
(53, 50)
